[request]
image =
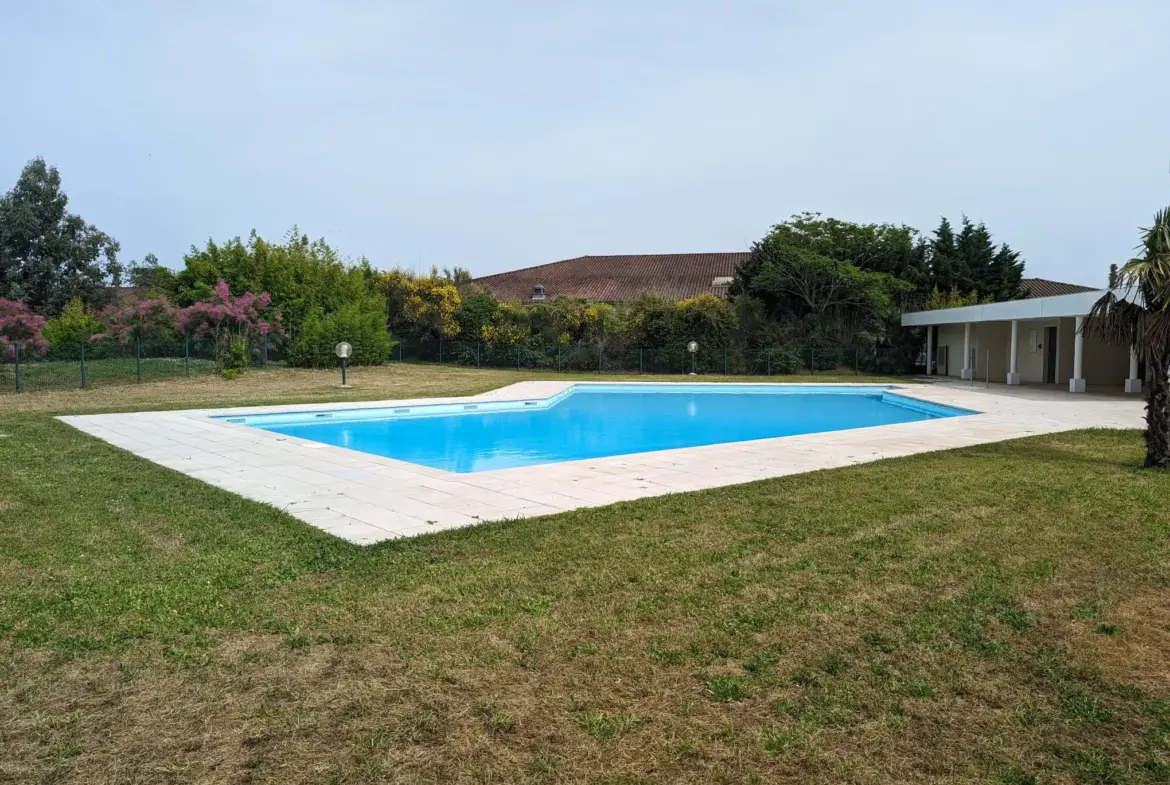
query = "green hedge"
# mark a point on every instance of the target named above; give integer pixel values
(362, 324)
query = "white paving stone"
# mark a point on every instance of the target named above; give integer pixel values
(367, 498)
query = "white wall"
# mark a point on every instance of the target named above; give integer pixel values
(1031, 364)
(951, 336)
(1105, 364)
(994, 344)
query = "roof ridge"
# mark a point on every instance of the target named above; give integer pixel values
(610, 256)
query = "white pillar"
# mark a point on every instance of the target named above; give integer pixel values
(966, 372)
(1013, 376)
(1133, 384)
(1077, 382)
(929, 351)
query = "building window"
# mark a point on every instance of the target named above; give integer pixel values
(1033, 341)
(538, 292)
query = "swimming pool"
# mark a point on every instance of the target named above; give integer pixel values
(596, 420)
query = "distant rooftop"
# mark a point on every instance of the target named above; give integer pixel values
(618, 278)
(1042, 287)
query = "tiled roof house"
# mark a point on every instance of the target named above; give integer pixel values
(675, 276)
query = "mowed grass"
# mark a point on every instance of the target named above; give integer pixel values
(996, 614)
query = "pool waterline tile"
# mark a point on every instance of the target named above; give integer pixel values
(368, 498)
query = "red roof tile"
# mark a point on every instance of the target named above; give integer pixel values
(619, 278)
(1042, 287)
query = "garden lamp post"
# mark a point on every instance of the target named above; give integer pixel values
(343, 350)
(692, 347)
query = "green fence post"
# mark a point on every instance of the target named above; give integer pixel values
(440, 350)
(769, 361)
(264, 357)
(477, 347)
(857, 362)
(724, 360)
(639, 359)
(138, 358)
(517, 358)
(812, 361)
(187, 355)
(600, 356)
(16, 356)
(83, 364)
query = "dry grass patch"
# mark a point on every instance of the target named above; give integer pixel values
(1130, 640)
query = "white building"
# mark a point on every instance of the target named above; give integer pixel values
(1032, 341)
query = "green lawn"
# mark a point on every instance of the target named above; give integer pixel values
(994, 614)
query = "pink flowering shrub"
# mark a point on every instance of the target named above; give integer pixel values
(147, 319)
(231, 323)
(20, 325)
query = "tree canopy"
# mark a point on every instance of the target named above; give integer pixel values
(49, 256)
(971, 262)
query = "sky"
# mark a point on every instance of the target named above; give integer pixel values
(498, 135)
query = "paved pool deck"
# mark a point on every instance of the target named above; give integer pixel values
(366, 498)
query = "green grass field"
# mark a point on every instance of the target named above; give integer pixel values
(998, 614)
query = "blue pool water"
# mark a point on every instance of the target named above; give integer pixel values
(591, 421)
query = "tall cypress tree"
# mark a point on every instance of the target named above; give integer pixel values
(974, 253)
(942, 255)
(1008, 271)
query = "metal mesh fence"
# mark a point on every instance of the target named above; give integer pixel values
(108, 363)
(614, 357)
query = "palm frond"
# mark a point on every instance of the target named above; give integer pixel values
(1151, 270)
(1114, 320)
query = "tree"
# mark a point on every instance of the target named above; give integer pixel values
(298, 274)
(941, 251)
(952, 299)
(48, 256)
(362, 324)
(424, 305)
(1140, 319)
(974, 253)
(19, 325)
(820, 290)
(74, 327)
(971, 262)
(1112, 276)
(475, 312)
(232, 324)
(150, 276)
(1007, 270)
(154, 318)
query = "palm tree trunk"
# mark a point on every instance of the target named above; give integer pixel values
(1158, 417)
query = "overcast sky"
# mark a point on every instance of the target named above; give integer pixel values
(496, 135)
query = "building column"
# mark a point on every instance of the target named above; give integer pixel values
(966, 372)
(1133, 384)
(1013, 376)
(1077, 382)
(929, 351)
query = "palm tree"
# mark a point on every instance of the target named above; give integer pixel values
(1137, 314)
